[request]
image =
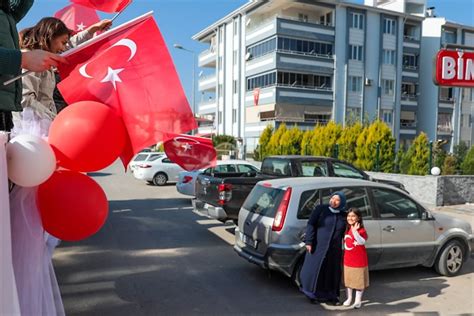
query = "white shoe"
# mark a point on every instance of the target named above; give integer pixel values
(347, 302)
(357, 305)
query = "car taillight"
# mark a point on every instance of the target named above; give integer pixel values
(280, 215)
(186, 179)
(225, 192)
(144, 166)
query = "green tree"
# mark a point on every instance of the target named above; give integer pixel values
(399, 159)
(467, 165)
(366, 151)
(262, 151)
(449, 166)
(460, 152)
(290, 141)
(419, 155)
(306, 148)
(348, 142)
(223, 139)
(274, 146)
(439, 155)
(325, 139)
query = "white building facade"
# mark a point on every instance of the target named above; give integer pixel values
(307, 62)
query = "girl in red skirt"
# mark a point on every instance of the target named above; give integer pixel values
(356, 271)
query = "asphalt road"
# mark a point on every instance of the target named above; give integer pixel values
(154, 256)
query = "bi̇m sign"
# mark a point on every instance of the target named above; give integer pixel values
(454, 68)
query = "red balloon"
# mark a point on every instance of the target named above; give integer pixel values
(87, 136)
(72, 205)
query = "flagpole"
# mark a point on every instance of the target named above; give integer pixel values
(92, 40)
(120, 12)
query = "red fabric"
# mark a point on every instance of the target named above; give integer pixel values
(355, 255)
(145, 89)
(77, 17)
(109, 6)
(190, 152)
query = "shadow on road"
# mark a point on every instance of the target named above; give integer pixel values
(155, 256)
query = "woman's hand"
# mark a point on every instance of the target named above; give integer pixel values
(356, 226)
(309, 248)
(100, 26)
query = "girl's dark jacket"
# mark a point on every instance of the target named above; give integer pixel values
(10, 55)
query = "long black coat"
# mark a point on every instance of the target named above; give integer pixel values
(321, 272)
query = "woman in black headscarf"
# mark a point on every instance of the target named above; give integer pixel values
(321, 273)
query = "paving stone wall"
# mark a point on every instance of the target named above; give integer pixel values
(435, 190)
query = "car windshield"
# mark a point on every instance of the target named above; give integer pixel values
(263, 200)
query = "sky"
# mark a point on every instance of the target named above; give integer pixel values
(179, 20)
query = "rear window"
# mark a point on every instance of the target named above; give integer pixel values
(153, 158)
(140, 157)
(276, 167)
(264, 200)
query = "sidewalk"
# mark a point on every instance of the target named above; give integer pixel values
(462, 211)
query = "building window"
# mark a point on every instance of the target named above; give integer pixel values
(409, 90)
(410, 61)
(261, 81)
(353, 114)
(355, 84)
(389, 26)
(317, 118)
(262, 48)
(387, 117)
(446, 94)
(303, 17)
(304, 80)
(449, 37)
(389, 57)
(236, 86)
(234, 115)
(388, 87)
(444, 123)
(303, 46)
(357, 21)
(355, 52)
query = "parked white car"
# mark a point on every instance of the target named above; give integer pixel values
(159, 171)
(141, 157)
(187, 179)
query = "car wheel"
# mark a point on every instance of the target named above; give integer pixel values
(450, 259)
(160, 179)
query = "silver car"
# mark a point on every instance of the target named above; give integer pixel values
(187, 179)
(402, 233)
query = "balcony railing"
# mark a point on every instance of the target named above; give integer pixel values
(410, 38)
(409, 97)
(410, 67)
(445, 128)
(407, 124)
(446, 99)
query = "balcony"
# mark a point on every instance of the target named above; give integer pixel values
(292, 94)
(208, 83)
(291, 27)
(409, 99)
(407, 124)
(207, 58)
(208, 107)
(291, 61)
(445, 129)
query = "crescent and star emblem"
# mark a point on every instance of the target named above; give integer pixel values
(186, 145)
(345, 244)
(113, 74)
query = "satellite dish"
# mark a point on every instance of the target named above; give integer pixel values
(248, 56)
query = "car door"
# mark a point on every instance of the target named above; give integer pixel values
(171, 169)
(358, 197)
(407, 239)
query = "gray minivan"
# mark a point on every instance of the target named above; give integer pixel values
(402, 233)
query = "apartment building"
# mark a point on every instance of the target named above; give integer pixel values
(307, 62)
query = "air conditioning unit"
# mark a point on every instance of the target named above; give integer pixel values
(368, 82)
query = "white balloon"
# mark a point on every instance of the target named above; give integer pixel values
(30, 160)
(435, 171)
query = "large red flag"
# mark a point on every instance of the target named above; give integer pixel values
(190, 152)
(77, 17)
(104, 5)
(131, 70)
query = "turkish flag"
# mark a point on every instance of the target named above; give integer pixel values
(130, 69)
(77, 17)
(109, 6)
(190, 152)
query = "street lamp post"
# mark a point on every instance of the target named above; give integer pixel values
(194, 68)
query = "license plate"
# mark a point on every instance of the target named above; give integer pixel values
(248, 241)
